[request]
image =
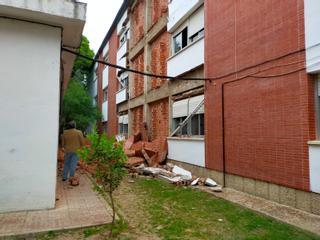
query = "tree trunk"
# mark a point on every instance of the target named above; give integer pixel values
(113, 212)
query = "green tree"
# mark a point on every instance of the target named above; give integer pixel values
(77, 106)
(82, 67)
(109, 157)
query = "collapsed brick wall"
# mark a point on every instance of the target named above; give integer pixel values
(137, 24)
(138, 80)
(267, 121)
(159, 9)
(137, 119)
(159, 56)
(159, 119)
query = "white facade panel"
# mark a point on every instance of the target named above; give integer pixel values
(188, 150)
(187, 59)
(179, 11)
(121, 96)
(106, 50)
(121, 23)
(105, 78)
(122, 51)
(105, 111)
(122, 62)
(314, 165)
(29, 100)
(95, 88)
(312, 36)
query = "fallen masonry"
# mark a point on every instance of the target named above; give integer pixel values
(149, 159)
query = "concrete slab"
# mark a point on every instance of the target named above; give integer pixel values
(77, 207)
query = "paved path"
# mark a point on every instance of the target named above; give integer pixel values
(292, 216)
(77, 207)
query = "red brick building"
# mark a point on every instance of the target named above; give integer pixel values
(257, 131)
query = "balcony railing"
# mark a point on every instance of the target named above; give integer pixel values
(187, 59)
(121, 96)
(105, 111)
(105, 78)
(188, 150)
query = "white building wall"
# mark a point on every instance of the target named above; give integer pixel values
(105, 111)
(105, 78)
(179, 11)
(188, 150)
(312, 36)
(29, 103)
(187, 59)
(314, 166)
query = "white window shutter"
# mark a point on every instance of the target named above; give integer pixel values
(180, 108)
(194, 102)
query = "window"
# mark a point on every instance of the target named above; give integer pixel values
(180, 41)
(123, 83)
(197, 36)
(105, 94)
(194, 127)
(180, 111)
(123, 125)
(124, 37)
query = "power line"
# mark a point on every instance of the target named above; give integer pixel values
(203, 79)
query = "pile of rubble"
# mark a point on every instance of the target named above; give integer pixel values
(175, 175)
(140, 150)
(149, 158)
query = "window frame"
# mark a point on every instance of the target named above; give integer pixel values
(188, 126)
(183, 31)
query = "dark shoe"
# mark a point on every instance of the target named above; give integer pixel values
(63, 180)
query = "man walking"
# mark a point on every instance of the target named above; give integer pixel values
(71, 140)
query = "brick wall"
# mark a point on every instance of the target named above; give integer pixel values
(267, 121)
(159, 8)
(137, 24)
(137, 119)
(159, 56)
(112, 87)
(138, 80)
(159, 119)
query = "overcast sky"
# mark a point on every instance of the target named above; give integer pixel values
(100, 15)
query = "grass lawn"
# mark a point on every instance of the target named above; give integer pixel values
(184, 213)
(152, 209)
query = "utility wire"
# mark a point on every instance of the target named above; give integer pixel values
(203, 79)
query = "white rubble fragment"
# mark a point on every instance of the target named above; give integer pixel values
(210, 182)
(172, 180)
(195, 182)
(151, 170)
(216, 189)
(186, 175)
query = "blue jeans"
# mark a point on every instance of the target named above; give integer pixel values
(70, 164)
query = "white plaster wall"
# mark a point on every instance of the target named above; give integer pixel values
(187, 59)
(180, 10)
(29, 104)
(105, 78)
(122, 51)
(121, 96)
(314, 161)
(312, 41)
(105, 111)
(188, 150)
